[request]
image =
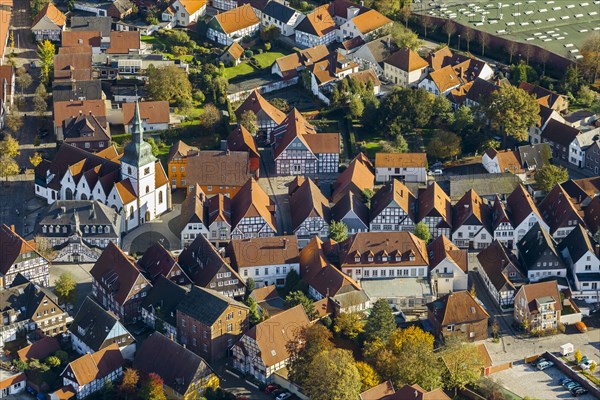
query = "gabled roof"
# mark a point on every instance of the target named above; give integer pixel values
(121, 42)
(544, 96)
(202, 261)
(331, 67)
(312, 259)
(318, 23)
(471, 205)
(181, 150)
(434, 202)
(156, 261)
(218, 168)
(370, 20)
(416, 392)
(99, 365)
(241, 140)
(151, 112)
(481, 89)
(537, 242)
(400, 160)
(237, 18)
(284, 327)
(457, 308)
(39, 349)
(278, 11)
(494, 260)
(508, 160)
(339, 8)
(52, 14)
(206, 306)
(308, 201)
(578, 242)
(164, 295)
(378, 392)
(500, 213)
(92, 324)
(92, 23)
(331, 282)
(76, 65)
(66, 109)
(534, 155)
(592, 215)
(85, 128)
(81, 38)
(191, 6)
(117, 273)
(559, 209)
(557, 132)
(261, 251)
(290, 65)
(350, 202)
(407, 60)
(235, 50)
(256, 103)
(442, 248)
(219, 209)
(521, 204)
(403, 244)
(540, 290)
(252, 201)
(177, 366)
(445, 78)
(12, 246)
(393, 193)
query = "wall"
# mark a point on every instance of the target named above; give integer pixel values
(594, 390)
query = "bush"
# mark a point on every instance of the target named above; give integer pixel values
(260, 51)
(248, 53)
(267, 46)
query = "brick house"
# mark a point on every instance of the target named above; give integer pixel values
(209, 323)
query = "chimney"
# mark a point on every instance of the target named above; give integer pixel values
(387, 242)
(285, 243)
(598, 249)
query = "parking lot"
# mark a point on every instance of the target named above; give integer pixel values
(525, 380)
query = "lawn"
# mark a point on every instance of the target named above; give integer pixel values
(264, 60)
(238, 70)
(149, 39)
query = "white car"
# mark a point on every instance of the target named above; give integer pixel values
(436, 172)
(284, 396)
(587, 364)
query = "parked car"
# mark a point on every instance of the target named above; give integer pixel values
(581, 327)
(569, 383)
(271, 388)
(578, 391)
(436, 172)
(544, 365)
(586, 364)
(284, 396)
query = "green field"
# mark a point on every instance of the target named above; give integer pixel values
(264, 60)
(560, 26)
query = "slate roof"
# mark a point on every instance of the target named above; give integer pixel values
(592, 215)
(166, 295)
(457, 308)
(534, 155)
(176, 365)
(493, 260)
(578, 242)
(559, 209)
(219, 209)
(92, 23)
(544, 96)
(71, 91)
(521, 204)
(206, 306)
(95, 323)
(536, 242)
(85, 128)
(78, 213)
(481, 89)
(39, 349)
(156, 261)
(278, 11)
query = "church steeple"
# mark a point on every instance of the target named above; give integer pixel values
(137, 133)
(137, 152)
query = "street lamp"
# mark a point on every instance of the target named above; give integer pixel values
(459, 42)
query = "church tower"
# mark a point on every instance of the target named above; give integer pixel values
(138, 165)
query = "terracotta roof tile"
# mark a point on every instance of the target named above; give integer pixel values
(241, 140)
(471, 204)
(537, 290)
(5, 17)
(218, 168)
(290, 64)
(66, 109)
(191, 6)
(237, 18)
(181, 150)
(318, 23)
(252, 201)
(256, 103)
(277, 250)
(457, 308)
(404, 243)
(356, 178)
(80, 38)
(393, 192)
(559, 209)
(445, 78)
(219, 209)
(13, 379)
(152, 112)
(235, 50)
(98, 365)
(308, 201)
(521, 204)
(126, 191)
(557, 132)
(371, 20)
(53, 13)
(123, 41)
(442, 248)
(407, 60)
(400, 160)
(494, 259)
(378, 392)
(39, 350)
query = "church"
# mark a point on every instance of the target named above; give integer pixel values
(133, 183)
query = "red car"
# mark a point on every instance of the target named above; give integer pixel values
(271, 388)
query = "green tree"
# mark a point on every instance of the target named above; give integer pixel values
(368, 376)
(338, 231)
(302, 349)
(23, 80)
(9, 147)
(66, 288)
(367, 196)
(281, 104)
(297, 297)
(407, 108)
(39, 105)
(550, 175)
(62, 355)
(154, 146)
(253, 315)
(356, 106)
(270, 33)
(405, 38)
(570, 81)
(407, 357)
(513, 111)
(45, 53)
(333, 375)
(292, 279)
(422, 231)
(250, 286)
(444, 145)
(249, 120)
(463, 362)
(52, 361)
(442, 110)
(380, 323)
(169, 83)
(153, 388)
(590, 50)
(586, 96)
(349, 324)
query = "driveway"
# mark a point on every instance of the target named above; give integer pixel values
(526, 380)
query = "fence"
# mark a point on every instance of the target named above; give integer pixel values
(497, 368)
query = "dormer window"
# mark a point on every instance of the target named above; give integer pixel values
(44, 228)
(51, 229)
(398, 258)
(356, 259)
(384, 258)
(370, 258)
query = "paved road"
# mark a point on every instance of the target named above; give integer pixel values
(143, 237)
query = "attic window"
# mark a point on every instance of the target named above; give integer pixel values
(273, 353)
(384, 258)
(472, 310)
(370, 258)
(357, 259)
